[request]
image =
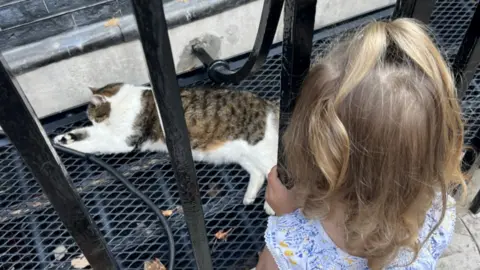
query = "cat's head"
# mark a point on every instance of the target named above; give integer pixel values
(99, 107)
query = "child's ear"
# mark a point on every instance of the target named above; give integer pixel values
(97, 100)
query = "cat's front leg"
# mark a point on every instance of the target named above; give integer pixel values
(71, 136)
(268, 209)
(80, 139)
(91, 140)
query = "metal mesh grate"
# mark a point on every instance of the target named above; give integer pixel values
(30, 230)
(471, 108)
(450, 20)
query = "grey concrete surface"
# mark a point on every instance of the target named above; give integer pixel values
(62, 85)
(464, 252)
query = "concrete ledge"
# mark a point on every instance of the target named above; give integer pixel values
(101, 35)
(61, 85)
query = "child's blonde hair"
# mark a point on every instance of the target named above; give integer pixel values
(377, 128)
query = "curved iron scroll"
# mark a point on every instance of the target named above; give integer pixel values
(219, 71)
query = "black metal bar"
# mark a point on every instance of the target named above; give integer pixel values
(156, 45)
(299, 20)
(475, 204)
(219, 71)
(417, 9)
(470, 162)
(21, 125)
(465, 65)
(468, 56)
(32, 226)
(202, 55)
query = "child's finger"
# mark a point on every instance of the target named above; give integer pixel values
(268, 194)
(272, 173)
(272, 185)
(274, 182)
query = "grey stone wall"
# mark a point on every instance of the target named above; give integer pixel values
(60, 85)
(26, 21)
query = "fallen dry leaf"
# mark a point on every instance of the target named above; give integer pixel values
(154, 265)
(16, 212)
(59, 252)
(190, 68)
(167, 213)
(80, 262)
(213, 190)
(112, 22)
(222, 235)
(37, 204)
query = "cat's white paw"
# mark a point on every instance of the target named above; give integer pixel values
(247, 200)
(268, 209)
(63, 139)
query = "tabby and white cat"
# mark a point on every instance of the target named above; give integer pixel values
(225, 126)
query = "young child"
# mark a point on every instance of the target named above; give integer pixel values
(373, 148)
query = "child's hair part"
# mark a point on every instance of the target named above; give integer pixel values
(377, 128)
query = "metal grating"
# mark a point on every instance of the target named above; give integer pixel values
(450, 20)
(471, 108)
(30, 230)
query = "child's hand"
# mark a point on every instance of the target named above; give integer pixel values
(278, 196)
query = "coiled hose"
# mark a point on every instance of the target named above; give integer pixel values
(132, 189)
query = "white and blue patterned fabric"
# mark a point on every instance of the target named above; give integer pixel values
(296, 242)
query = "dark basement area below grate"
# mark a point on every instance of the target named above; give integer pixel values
(30, 230)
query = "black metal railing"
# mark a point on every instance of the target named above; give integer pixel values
(468, 55)
(153, 31)
(418, 9)
(465, 65)
(219, 71)
(21, 125)
(32, 143)
(296, 51)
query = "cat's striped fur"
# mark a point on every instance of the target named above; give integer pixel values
(225, 126)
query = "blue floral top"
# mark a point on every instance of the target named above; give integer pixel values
(296, 242)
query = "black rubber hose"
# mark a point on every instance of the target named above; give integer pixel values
(135, 191)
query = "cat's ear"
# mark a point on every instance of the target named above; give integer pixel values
(93, 89)
(97, 100)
